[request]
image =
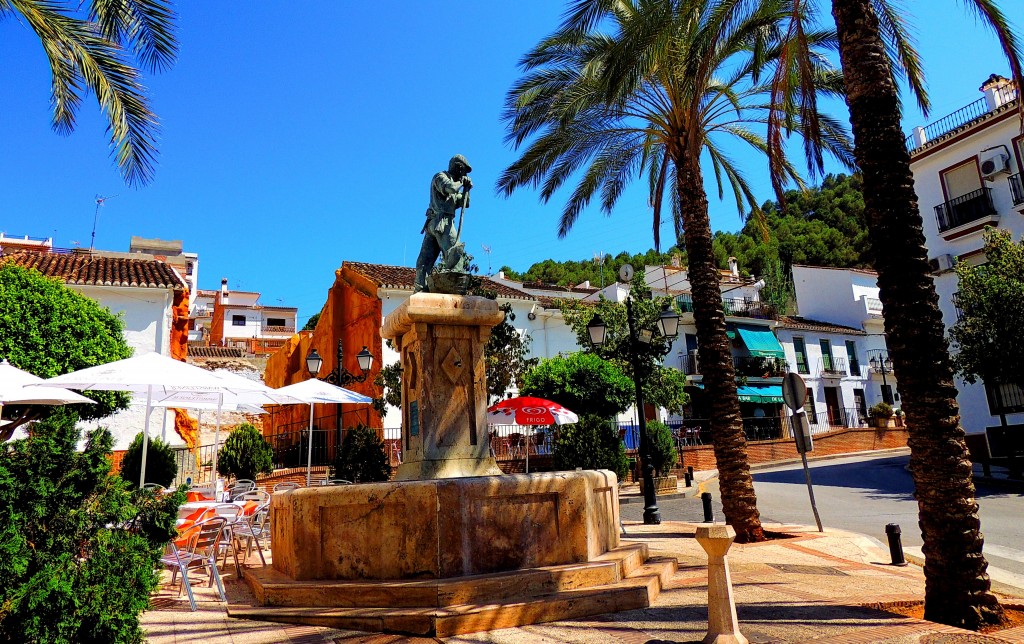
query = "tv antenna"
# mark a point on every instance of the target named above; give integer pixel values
(599, 260)
(487, 249)
(100, 200)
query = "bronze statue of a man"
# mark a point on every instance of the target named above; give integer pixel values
(448, 192)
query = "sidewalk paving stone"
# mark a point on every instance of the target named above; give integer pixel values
(808, 588)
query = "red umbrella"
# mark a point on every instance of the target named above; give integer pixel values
(526, 410)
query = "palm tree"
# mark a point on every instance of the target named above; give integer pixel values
(91, 53)
(874, 50)
(667, 82)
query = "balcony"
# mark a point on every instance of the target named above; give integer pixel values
(734, 306)
(688, 364)
(962, 210)
(268, 328)
(1016, 189)
(761, 367)
(831, 367)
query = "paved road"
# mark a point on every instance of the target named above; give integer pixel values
(862, 495)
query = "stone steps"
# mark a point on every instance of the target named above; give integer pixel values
(636, 588)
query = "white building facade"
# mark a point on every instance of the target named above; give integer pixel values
(967, 175)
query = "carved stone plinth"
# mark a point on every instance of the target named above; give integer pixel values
(441, 341)
(723, 624)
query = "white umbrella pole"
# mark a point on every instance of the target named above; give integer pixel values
(528, 449)
(309, 456)
(216, 441)
(199, 440)
(145, 435)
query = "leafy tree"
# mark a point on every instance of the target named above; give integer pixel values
(632, 89)
(245, 454)
(987, 338)
(94, 54)
(875, 50)
(311, 323)
(48, 330)
(362, 457)
(778, 289)
(161, 466)
(584, 383)
(663, 447)
(591, 444)
(662, 386)
(78, 549)
(505, 356)
(389, 379)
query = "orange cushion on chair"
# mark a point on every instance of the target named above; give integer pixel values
(249, 508)
(186, 531)
(196, 496)
(201, 514)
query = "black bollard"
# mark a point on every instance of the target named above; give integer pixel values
(689, 470)
(709, 516)
(892, 532)
(687, 478)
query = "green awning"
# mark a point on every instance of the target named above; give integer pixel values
(765, 394)
(760, 341)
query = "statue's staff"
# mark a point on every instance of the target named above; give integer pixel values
(462, 211)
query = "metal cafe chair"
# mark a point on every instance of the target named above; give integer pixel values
(255, 528)
(337, 482)
(201, 553)
(287, 485)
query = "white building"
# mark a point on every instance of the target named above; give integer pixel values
(142, 291)
(967, 175)
(237, 319)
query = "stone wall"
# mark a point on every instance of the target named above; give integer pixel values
(702, 457)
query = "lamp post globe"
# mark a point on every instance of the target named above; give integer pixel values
(365, 359)
(668, 324)
(596, 329)
(314, 362)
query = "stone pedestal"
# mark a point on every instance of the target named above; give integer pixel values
(723, 625)
(441, 341)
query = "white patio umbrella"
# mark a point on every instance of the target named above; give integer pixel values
(317, 391)
(153, 374)
(19, 387)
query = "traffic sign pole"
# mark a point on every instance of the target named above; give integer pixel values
(794, 393)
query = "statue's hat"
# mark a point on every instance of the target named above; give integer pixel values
(461, 159)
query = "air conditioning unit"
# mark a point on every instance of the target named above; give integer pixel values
(995, 164)
(941, 264)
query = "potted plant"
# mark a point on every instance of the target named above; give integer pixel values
(882, 414)
(663, 457)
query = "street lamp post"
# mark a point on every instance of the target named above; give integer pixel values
(668, 326)
(340, 376)
(883, 365)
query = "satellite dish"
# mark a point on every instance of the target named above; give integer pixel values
(626, 272)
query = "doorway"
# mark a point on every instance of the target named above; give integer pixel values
(835, 410)
(860, 403)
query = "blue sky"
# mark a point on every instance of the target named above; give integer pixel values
(293, 140)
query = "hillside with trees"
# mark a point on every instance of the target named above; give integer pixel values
(821, 227)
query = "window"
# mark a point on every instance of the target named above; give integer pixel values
(276, 322)
(812, 413)
(801, 355)
(1008, 400)
(188, 268)
(826, 355)
(887, 396)
(851, 353)
(961, 179)
(237, 320)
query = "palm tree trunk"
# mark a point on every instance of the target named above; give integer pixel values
(957, 587)
(738, 499)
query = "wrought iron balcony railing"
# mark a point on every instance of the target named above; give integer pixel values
(1016, 189)
(834, 367)
(965, 209)
(761, 367)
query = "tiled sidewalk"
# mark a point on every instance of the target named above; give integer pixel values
(809, 588)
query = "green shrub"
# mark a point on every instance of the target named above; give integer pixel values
(581, 382)
(663, 447)
(79, 549)
(362, 458)
(245, 454)
(161, 466)
(591, 444)
(880, 410)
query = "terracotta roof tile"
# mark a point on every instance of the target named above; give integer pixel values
(797, 322)
(402, 278)
(89, 270)
(557, 287)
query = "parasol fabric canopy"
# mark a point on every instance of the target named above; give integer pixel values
(318, 391)
(18, 387)
(527, 410)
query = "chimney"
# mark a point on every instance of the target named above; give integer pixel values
(998, 91)
(675, 260)
(224, 289)
(501, 275)
(734, 267)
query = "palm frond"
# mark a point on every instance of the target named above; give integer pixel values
(144, 26)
